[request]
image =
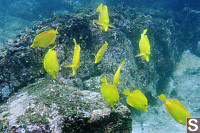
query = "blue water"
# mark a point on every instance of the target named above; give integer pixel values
(17, 15)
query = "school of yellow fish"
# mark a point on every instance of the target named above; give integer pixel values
(110, 92)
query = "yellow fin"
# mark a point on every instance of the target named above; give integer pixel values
(111, 26)
(140, 54)
(104, 79)
(144, 32)
(57, 29)
(68, 65)
(97, 22)
(75, 41)
(123, 62)
(99, 8)
(163, 98)
(127, 91)
(53, 47)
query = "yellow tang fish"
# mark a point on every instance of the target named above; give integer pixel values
(45, 38)
(136, 99)
(109, 92)
(103, 17)
(117, 74)
(144, 46)
(76, 58)
(51, 62)
(176, 109)
(100, 53)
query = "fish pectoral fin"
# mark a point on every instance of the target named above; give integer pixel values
(68, 65)
(97, 22)
(140, 54)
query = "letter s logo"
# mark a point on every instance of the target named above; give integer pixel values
(193, 125)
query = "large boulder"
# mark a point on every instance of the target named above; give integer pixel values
(47, 106)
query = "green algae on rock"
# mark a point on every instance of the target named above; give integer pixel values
(54, 107)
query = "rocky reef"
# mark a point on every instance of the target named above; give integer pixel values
(48, 106)
(70, 104)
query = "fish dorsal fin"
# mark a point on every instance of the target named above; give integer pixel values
(127, 91)
(137, 92)
(144, 32)
(177, 102)
(57, 29)
(75, 42)
(99, 8)
(104, 79)
(163, 98)
(106, 43)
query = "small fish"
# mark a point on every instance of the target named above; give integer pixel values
(45, 38)
(51, 62)
(76, 58)
(117, 74)
(103, 17)
(136, 99)
(100, 53)
(144, 46)
(109, 91)
(176, 109)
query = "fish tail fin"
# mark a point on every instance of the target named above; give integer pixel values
(144, 32)
(140, 54)
(75, 41)
(127, 91)
(106, 43)
(123, 62)
(99, 8)
(104, 79)
(163, 98)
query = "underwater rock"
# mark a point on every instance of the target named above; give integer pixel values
(185, 82)
(46, 106)
(184, 86)
(21, 66)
